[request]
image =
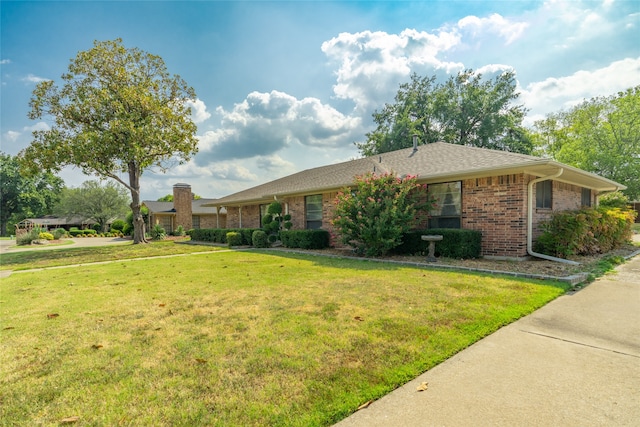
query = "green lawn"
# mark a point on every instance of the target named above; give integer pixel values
(42, 258)
(235, 338)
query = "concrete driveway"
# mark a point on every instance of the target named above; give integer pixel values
(574, 362)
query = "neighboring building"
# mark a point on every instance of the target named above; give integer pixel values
(185, 211)
(51, 222)
(504, 195)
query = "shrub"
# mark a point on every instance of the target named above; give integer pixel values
(456, 243)
(617, 199)
(305, 239)
(27, 238)
(586, 231)
(179, 231)
(158, 233)
(234, 238)
(90, 232)
(59, 233)
(118, 225)
(259, 239)
(373, 217)
(43, 235)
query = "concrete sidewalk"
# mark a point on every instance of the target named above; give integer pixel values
(574, 362)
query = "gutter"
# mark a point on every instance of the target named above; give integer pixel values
(530, 221)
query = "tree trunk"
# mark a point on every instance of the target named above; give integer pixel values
(138, 220)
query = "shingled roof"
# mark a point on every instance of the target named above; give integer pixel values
(198, 207)
(437, 162)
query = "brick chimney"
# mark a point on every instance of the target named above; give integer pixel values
(182, 198)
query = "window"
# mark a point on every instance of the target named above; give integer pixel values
(164, 221)
(586, 197)
(195, 221)
(263, 213)
(313, 211)
(448, 205)
(543, 194)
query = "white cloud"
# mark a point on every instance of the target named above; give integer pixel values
(199, 111)
(274, 163)
(38, 126)
(11, 135)
(265, 123)
(554, 94)
(494, 24)
(30, 78)
(371, 65)
(5, 61)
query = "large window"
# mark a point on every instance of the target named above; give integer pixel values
(543, 194)
(195, 221)
(313, 211)
(448, 205)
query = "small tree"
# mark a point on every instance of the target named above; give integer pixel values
(272, 221)
(374, 215)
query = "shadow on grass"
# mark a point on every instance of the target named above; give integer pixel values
(372, 264)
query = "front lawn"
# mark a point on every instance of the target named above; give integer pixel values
(42, 258)
(235, 338)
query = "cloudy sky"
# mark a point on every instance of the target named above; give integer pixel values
(287, 86)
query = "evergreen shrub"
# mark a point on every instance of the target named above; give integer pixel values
(305, 239)
(259, 239)
(456, 243)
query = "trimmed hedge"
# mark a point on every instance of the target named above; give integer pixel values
(305, 239)
(219, 235)
(456, 243)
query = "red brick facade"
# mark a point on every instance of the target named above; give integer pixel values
(496, 206)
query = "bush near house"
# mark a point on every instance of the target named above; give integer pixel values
(456, 243)
(234, 239)
(259, 239)
(305, 239)
(586, 231)
(219, 235)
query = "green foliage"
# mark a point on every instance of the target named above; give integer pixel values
(455, 243)
(118, 225)
(466, 110)
(617, 199)
(45, 236)
(59, 233)
(179, 231)
(219, 235)
(234, 238)
(158, 232)
(27, 238)
(94, 201)
(585, 232)
(272, 221)
(118, 111)
(601, 135)
(259, 239)
(305, 239)
(24, 196)
(374, 215)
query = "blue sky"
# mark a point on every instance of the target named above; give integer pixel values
(286, 86)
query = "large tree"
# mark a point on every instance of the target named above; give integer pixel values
(25, 196)
(467, 109)
(92, 200)
(117, 111)
(601, 135)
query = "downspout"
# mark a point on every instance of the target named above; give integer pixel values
(530, 221)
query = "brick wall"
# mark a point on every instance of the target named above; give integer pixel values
(497, 206)
(182, 198)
